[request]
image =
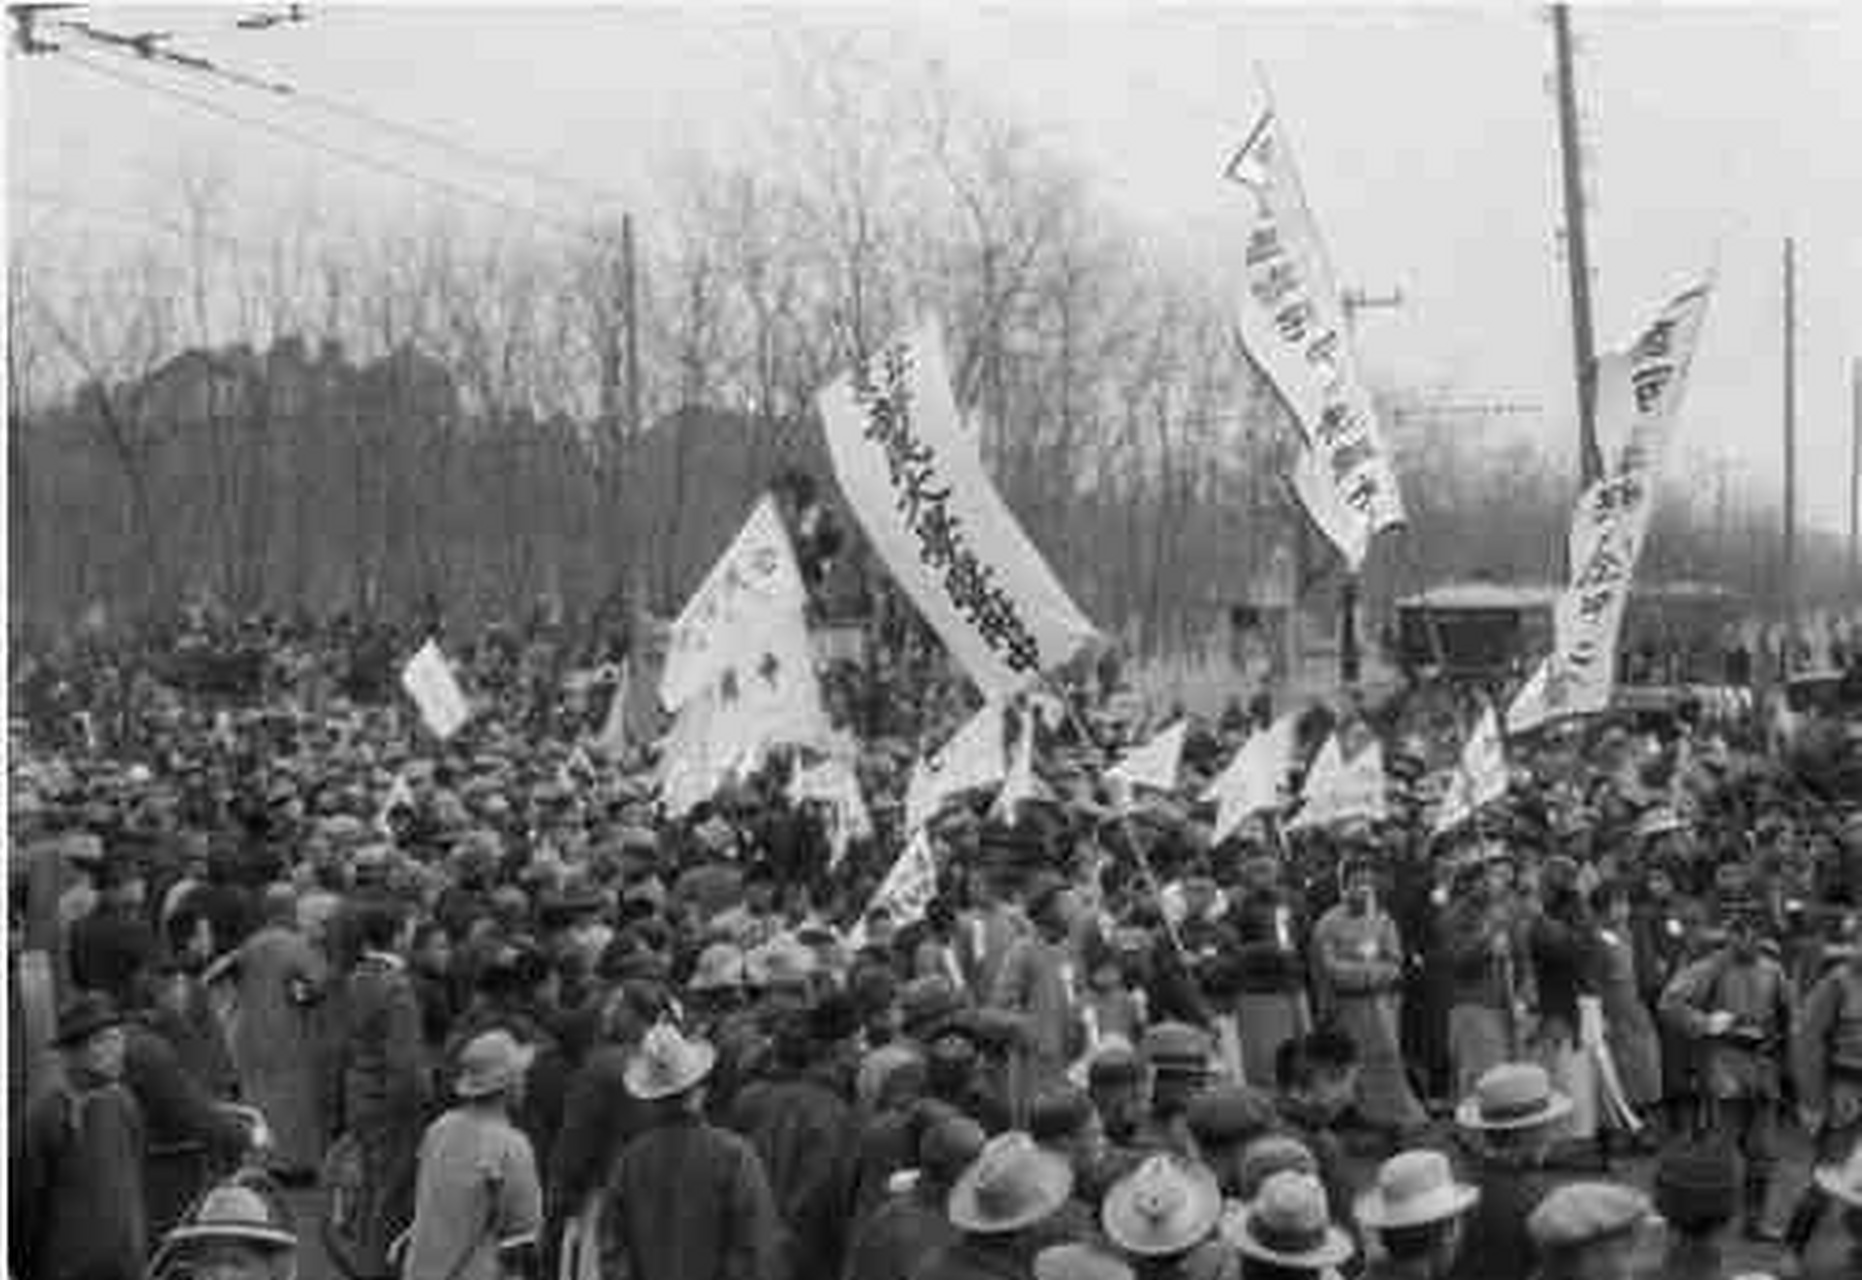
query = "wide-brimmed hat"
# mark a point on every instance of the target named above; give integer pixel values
(720, 968)
(1844, 1181)
(234, 1211)
(1074, 1261)
(1581, 1213)
(667, 1064)
(1287, 1225)
(1513, 1095)
(1013, 1184)
(1413, 1189)
(84, 1016)
(491, 1063)
(1165, 1206)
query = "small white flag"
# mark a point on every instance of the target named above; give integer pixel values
(976, 757)
(1479, 779)
(1341, 790)
(907, 890)
(1255, 779)
(1156, 763)
(429, 681)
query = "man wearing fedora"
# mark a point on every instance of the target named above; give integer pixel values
(76, 1202)
(653, 1227)
(1588, 1231)
(1287, 1232)
(997, 1205)
(478, 1203)
(1416, 1211)
(1510, 1120)
(238, 1231)
(910, 1223)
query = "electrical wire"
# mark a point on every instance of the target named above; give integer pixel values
(361, 158)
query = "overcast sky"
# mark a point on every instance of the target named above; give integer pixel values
(1426, 138)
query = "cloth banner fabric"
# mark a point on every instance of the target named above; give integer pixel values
(915, 479)
(1479, 779)
(1255, 780)
(1293, 324)
(1638, 393)
(755, 579)
(908, 888)
(1155, 764)
(975, 757)
(430, 682)
(1342, 790)
(611, 742)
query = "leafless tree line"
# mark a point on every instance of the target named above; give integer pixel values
(333, 414)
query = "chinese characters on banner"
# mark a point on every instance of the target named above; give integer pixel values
(1293, 325)
(1638, 392)
(430, 682)
(756, 576)
(916, 481)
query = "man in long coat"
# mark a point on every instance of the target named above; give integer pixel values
(1359, 960)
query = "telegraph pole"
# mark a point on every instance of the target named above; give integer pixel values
(1790, 442)
(1577, 250)
(630, 287)
(1855, 475)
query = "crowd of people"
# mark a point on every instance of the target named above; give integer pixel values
(508, 1018)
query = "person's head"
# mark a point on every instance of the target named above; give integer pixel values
(1062, 1119)
(1697, 1188)
(1588, 1231)
(1115, 1079)
(381, 926)
(1610, 902)
(492, 1067)
(91, 1037)
(1513, 1110)
(1318, 1072)
(1358, 884)
(1416, 1210)
(1179, 1058)
(1497, 877)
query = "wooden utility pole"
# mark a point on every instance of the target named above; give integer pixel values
(1350, 665)
(1855, 476)
(630, 287)
(1577, 250)
(1790, 442)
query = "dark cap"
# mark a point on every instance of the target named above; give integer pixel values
(1230, 1115)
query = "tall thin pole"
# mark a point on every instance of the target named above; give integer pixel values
(1855, 476)
(630, 285)
(1577, 250)
(1790, 442)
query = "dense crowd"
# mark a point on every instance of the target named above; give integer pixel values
(510, 1018)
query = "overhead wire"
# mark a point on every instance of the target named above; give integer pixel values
(311, 141)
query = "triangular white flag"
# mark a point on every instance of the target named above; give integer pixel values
(1479, 779)
(1340, 790)
(906, 891)
(1255, 779)
(974, 758)
(611, 742)
(1156, 763)
(429, 681)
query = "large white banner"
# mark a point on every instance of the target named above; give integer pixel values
(756, 578)
(430, 682)
(1292, 322)
(915, 479)
(1638, 392)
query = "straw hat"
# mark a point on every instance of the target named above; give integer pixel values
(1582, 1213)
(1165, 1206)
(234, 1211)
(1078, 1262)
(491, 1063)
(720, 968)
(1414, 1188)
(1844, 1181)
(1013, 1184)
(1513, 1095)
(667, 1064)
(1287, 1225)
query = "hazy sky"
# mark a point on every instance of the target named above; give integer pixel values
(1426, 137)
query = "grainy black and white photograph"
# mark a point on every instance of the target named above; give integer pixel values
(883, 640)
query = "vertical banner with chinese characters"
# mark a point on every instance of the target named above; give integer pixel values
(915, 479)
(1292, 322)
(1638, 392)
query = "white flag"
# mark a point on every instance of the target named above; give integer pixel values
(976, 757)
(429, 681)
(611, 742)
(1479, 779)
(1340, 790)
(833, 784)
(1255, 779)
(1638, 392)
(756, 578)
(908, 888)
(1155, 764)
(1292, 322)
(916, 482)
